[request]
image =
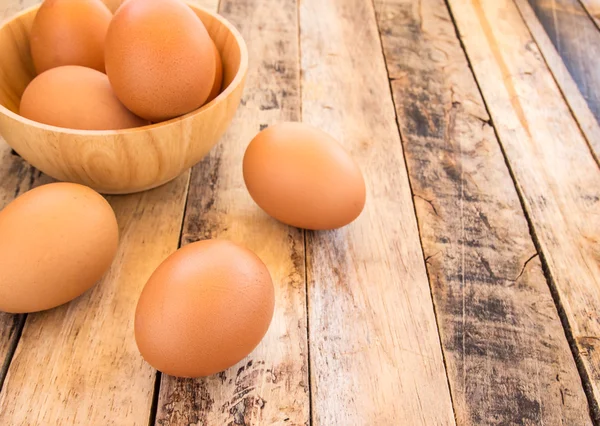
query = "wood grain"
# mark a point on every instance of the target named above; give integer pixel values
(577, 40)
(593, 8)
(579, 106)
(507, 356)
(375, 349)
(270, 386)
(123, 161)
(555, 173)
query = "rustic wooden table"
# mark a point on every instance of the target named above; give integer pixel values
(468, 291)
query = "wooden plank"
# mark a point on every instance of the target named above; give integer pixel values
(270, 386)
(16, 177)
(375, 349)
(577, 40)
(555, 173)
(507, 356)
(78, 364)
(579, 107)
(593, 8)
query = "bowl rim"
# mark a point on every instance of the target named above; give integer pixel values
(237, 80)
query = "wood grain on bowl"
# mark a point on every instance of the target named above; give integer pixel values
(121, 161)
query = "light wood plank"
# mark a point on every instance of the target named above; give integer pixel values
(555, 172)
(375, 349)
(270, 386)
(581, 110)
(593, 8)
(507, 356)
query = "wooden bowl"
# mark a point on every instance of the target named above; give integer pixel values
(117, 161)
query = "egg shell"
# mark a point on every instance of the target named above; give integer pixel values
(303, 177)
(68, 32)
(56, 241)
(216, 89)
(205, 308)
(77, 98)
(159, 58)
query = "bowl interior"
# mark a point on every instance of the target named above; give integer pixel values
(16, 66)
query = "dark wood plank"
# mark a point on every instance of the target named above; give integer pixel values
(507, 356)
(10, 330)
(375, 350)
(270, 386)
(556, 175)
(577, 103)
(577, 40)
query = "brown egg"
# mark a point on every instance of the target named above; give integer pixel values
(205, 308)
(77, 98)
(68, 32)
(56, 241)
(159, 58)
(216, 88)
(302, 177)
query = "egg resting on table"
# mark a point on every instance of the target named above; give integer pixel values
(56, 241)
(68, 32)
(77, 98)
(205, 308)
(303, 177)
(159, 58)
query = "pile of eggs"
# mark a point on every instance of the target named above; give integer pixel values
(150, 62)
(209, 304)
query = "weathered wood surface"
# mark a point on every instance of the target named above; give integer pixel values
(578, 104)
(593, 8)
(577, 40)
(270, 386)
(375, 350)
(554, 170)
(507, 356)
